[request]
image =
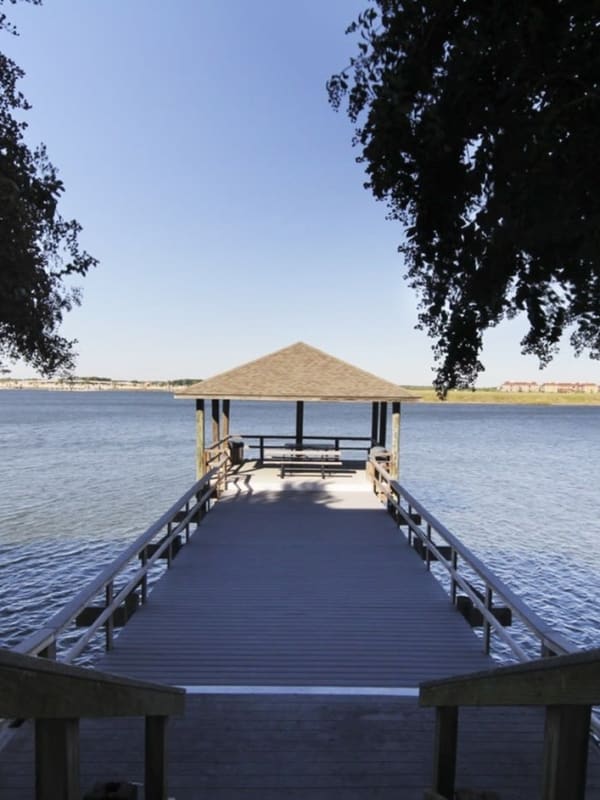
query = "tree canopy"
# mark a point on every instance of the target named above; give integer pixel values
(38, 248)
(479, 125)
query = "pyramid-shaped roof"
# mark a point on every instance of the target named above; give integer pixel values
(298, 372)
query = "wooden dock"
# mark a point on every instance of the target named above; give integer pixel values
(301, 624)
(309, 587)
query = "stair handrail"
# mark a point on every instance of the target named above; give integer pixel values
(56, 696)
(567, 686)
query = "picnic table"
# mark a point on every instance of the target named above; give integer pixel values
(295, 457)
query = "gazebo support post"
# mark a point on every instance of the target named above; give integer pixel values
(199, 439)
(382, 423)
(374, 423)
(395, 470)
(299, 423)
(216, 422)
(226, 406)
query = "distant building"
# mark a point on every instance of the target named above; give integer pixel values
(519, 386)
(566, 387)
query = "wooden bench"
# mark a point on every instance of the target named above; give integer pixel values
(292, 459)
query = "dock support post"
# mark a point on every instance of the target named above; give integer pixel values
(226, 406)
(199, 439)
(155, 768)
(299, 423)
(382, 423)
(444, 754)
(374, 424)
(216, 422)
(57, 759)
(566, 741)
(395, 440)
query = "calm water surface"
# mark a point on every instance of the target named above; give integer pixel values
(84, 473)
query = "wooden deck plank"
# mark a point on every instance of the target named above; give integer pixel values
(282, 588)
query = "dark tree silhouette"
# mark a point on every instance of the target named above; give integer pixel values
(479, 124)
(38, 249)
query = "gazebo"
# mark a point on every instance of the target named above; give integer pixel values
(299, 373)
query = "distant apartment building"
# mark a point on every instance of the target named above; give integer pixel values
(520, 386)
(566, 387)
(555, 387)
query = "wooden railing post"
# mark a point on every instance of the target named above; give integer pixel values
(155, 769)
(57, 759)
(225, 466)
(444, 752)
(109, 626)
(487, 628)
(428, 554)
(49, 652)
(201, 508)
(453, 584)
(170, 547)
(566, 742)
(145, 576)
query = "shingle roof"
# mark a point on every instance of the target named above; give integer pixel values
(297, 372)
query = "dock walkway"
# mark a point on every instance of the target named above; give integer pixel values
(310, 587)
(301, 625)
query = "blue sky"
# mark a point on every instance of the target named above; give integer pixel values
(220, 193)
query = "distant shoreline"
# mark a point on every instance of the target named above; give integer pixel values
(426, 394)
(93, 385)
(494, 396)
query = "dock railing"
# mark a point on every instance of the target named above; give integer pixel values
(263, 442)
(217, 456)
(56, 696)
(567, 686)
(469, 578)
(33, 685)
(132, 569)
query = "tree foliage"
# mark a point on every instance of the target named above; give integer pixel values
(479, 124)
(38, 248)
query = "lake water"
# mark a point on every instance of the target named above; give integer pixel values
(84, 473)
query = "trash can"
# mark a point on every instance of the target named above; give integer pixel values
(236, 451)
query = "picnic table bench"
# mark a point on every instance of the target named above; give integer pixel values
(292, 458)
